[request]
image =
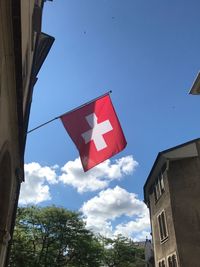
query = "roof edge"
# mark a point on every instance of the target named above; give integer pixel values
(160, 154)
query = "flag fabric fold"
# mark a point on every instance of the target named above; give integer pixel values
(95, 130)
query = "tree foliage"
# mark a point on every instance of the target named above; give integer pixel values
(52, 237)
(121, 252)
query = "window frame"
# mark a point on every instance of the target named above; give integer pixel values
(162, 225)
(161, 262)
(159, 185)
(171, 256)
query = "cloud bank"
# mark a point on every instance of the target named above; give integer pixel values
(35, 188)
(101, 211)
(99, 177)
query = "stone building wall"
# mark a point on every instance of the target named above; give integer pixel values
(185, 197)
(20, 30)
(162, 248)
(10, 159)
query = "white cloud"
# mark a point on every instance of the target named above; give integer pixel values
(98, 177)
(136, 228)
(101, 211)
(34, 189)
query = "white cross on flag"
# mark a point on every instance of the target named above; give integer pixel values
(95, 130)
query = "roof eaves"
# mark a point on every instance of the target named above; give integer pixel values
(160, 154)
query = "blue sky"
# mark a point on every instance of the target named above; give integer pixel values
(147, 53)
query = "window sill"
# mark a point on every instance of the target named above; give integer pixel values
(164, 240)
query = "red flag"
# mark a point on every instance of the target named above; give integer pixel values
(95, 130)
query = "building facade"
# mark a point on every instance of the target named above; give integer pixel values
(23, 49)
(172, 194)
(149, 254)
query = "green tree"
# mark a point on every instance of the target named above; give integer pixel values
(52, 236)
(121, 252)
(56, 237)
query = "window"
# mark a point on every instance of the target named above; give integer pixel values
(159, 184)
(161, 263)
(162, 226)
(172, 260)
(36, 22)
(25, 68)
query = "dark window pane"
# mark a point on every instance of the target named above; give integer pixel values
(170, 264)
(160, 227)
(162, 183)
(174, 262)
(164, 225)
(155, 194)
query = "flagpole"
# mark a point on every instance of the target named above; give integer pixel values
(87, 103)
(39, 126)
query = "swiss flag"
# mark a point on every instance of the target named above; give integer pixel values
(95, 130)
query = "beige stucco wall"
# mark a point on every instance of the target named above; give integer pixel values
(181, 203)
(9, 144)
(162, 250)
(185, 198)
(10, 158)
(17, 53)
(28, 43)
